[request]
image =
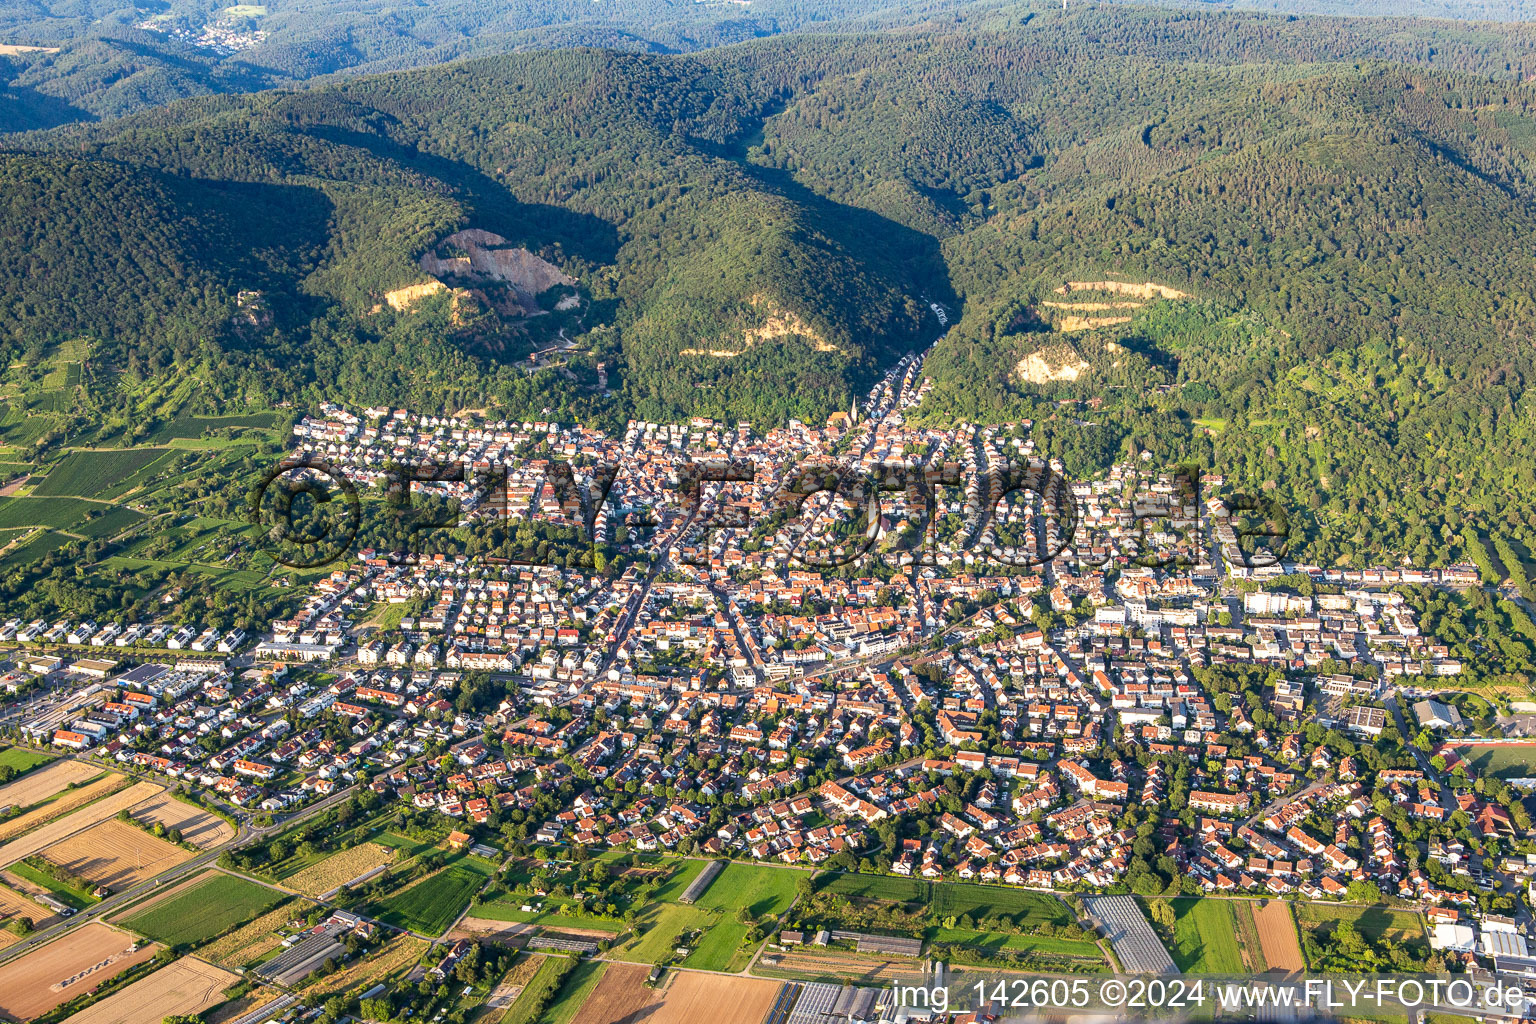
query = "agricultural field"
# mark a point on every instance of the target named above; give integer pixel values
(110, 523)
(396, 956)
(1277, 935)
(815, 964)
(41, 783)
(71, 812)
(878, 887)
(54, 513)
(39, 547)
(430, 905)
(60, 970)
(683, 998)
(1375, 923)
(1027, 910)
(188, 986)
(188, 426)
(202, 910)
(14, 904)
(1205, 937)
(251, 941)
(198, 827)
(339, 868)
(115, 854)
(997, 942)
(87, 474)
(574, 994)
(19, 760)
(30, 879)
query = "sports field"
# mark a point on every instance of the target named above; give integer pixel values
(20, 760)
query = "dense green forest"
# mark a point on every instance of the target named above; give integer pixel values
(104, 58)
(1337, 214)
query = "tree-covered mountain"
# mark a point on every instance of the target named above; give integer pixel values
(1295, 249)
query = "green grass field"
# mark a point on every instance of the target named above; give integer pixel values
(429, 906)
(87, 474)
(204, 910)
(574, 993)
(878, 887)
(762, 890)
(999, 941)
(1205, 937)
(20, 760)
(679, 881)
(65, 892)
(1375, 923)
(663, 925)
(1501, 762)
(1027, 910)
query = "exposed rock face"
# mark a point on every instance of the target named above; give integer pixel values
(404, 298)
(490, 259)
(779, 323)
(1149, 290)
(1052, 364)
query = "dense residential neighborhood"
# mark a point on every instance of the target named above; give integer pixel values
(1014, 708)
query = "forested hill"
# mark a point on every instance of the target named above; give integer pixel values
(1224, 236)
(85, 60)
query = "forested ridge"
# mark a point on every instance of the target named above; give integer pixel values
(757, 231)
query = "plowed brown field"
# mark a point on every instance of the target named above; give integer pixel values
(64, 968)
(688, 998)
(1277, 936)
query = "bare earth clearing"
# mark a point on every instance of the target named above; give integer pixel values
(186, 986)
(64, 968)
